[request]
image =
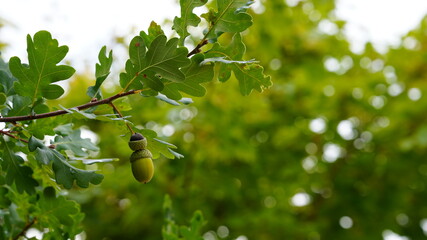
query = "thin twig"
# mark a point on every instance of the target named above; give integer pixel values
(8, 133)
(197, 49)
(25, 229)
(62, 112)
(117, 111)
(12, 136)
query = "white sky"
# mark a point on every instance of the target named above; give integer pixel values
(86, 25)
(382, 22)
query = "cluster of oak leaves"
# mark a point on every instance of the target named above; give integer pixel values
(157, 67)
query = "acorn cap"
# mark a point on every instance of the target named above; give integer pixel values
(144, 153)
(138, 145)
(137, 142)
(136, 137)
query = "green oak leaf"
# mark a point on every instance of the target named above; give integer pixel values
(194, 230)
(157, 147)
(16, 172)
(102, 70)
(251, 77)
(21, 106)
(94, 161)
(249, 74)
(154, 30)
(74, 142)
(165, 99)
(6, 79)
(66, 174)
(42, 153)
(195, 74)
(65, 129)
(3, 99)
(57, 210)
(35, 79)
(224, 60)
(162, 61)
(231, 17)
(188, 18)
(44, 126)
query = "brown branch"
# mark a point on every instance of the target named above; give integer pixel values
(62, 112)
(197, 49)
(25, 229)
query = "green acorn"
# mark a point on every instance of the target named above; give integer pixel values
(137, 142)
(143, 169)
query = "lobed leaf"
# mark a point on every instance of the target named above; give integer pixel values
(20, 106)
(163, 60)
(16, 172)
(102, 70)
(194, 230)
(6, 79)
(42, 153)
(41, 127)
(154, 30)
(195, 74)
(251, 77)
(157, 147)
(231, 17)
(188, 18)
(35, 79)
(61, 216)
(74, 142)
(93, 161)
(65, 173)
(249, 74)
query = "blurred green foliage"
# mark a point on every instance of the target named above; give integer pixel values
(334, 150)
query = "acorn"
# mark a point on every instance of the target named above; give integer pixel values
(143, 169)
(137, 142)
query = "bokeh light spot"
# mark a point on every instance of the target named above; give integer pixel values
(346, 130)
(300, 199)
(223, 232)
(414, 94)
(318, 125)
(346, 222)
(331, 152)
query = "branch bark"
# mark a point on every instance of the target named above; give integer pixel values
(62, 112)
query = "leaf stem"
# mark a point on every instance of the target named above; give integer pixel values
(117, 111)
(62, 112)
